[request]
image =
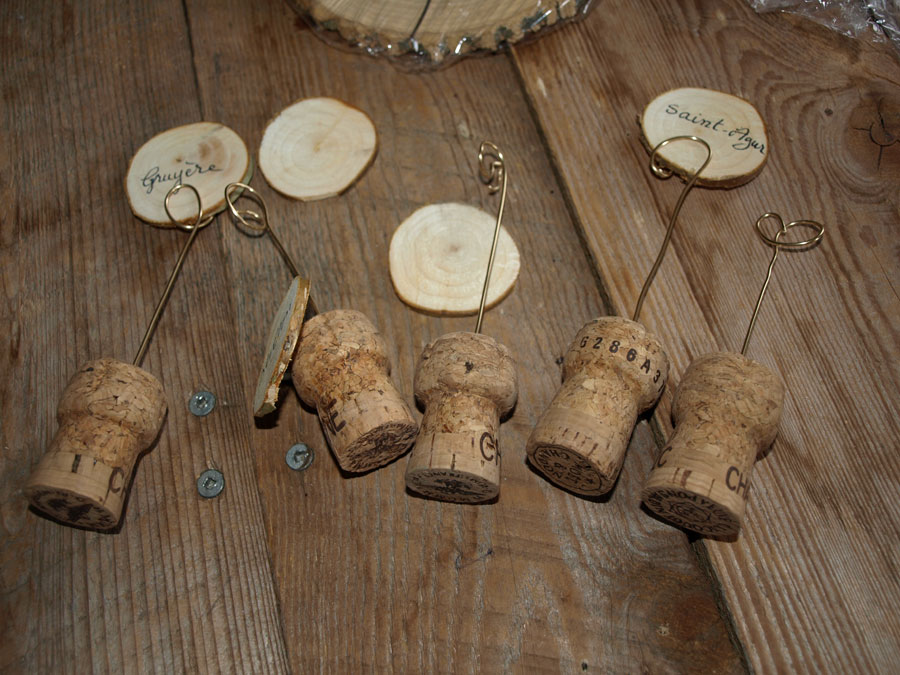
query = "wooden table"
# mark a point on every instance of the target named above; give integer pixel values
(316, 570)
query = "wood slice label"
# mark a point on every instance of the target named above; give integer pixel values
(283, 337)
(732, 127)
(206, 155)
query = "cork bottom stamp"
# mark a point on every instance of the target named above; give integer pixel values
(569, 470)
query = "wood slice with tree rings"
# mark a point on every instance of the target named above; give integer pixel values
(732, 127)
(207, 155)
(436, 29)
(439, 256)
(316, 148)
(283, 337)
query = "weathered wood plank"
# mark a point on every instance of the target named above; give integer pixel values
(812, 581)
(185, 585)
(369, 575)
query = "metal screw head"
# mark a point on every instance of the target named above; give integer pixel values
(299, 456)
(210, 483)
(202, 403)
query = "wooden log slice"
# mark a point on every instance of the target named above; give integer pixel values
(316, 148)
(283, 337)
(732, 127)
(206, 155)
(438, 29)
(439, 256)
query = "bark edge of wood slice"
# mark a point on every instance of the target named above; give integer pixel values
(284, 334)
(436, 33)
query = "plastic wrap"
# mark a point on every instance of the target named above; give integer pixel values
(875, 20)
(424, 34)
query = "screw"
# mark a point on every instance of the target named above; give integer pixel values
(299, 457)
(210, 483)
(202, 403)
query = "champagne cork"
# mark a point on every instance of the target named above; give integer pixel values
(109, 413)
(342, 369)
(467, 382)
(726, 411)
(613, 371)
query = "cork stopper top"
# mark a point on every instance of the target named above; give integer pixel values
(624, 345)
(730, 388)
(117, 391)
(468, 362)
(332, 342)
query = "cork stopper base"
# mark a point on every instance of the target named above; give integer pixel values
(467, 382)
(90, 497)
(109, 413)
(341, 368)
(613, 371)
(381, 429)
(726, 411)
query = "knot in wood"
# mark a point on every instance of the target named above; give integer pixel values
(469, 363)
(338, 351)
(611, 347)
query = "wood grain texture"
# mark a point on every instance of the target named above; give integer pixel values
(185, 585)
(321, 571)
(812, 582)
(370, 576)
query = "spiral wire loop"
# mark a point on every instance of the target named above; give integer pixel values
(776, 243)
(194, 228)
(492, 171)
(662, 171)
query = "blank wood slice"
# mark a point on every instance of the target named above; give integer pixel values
(206, 155)
(316, 148)
(439, 256)
(732, 127)
(283, 337)
(437, 29)
(613, 370)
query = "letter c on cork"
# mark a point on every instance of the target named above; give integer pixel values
(109, 413)
(467, 382)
